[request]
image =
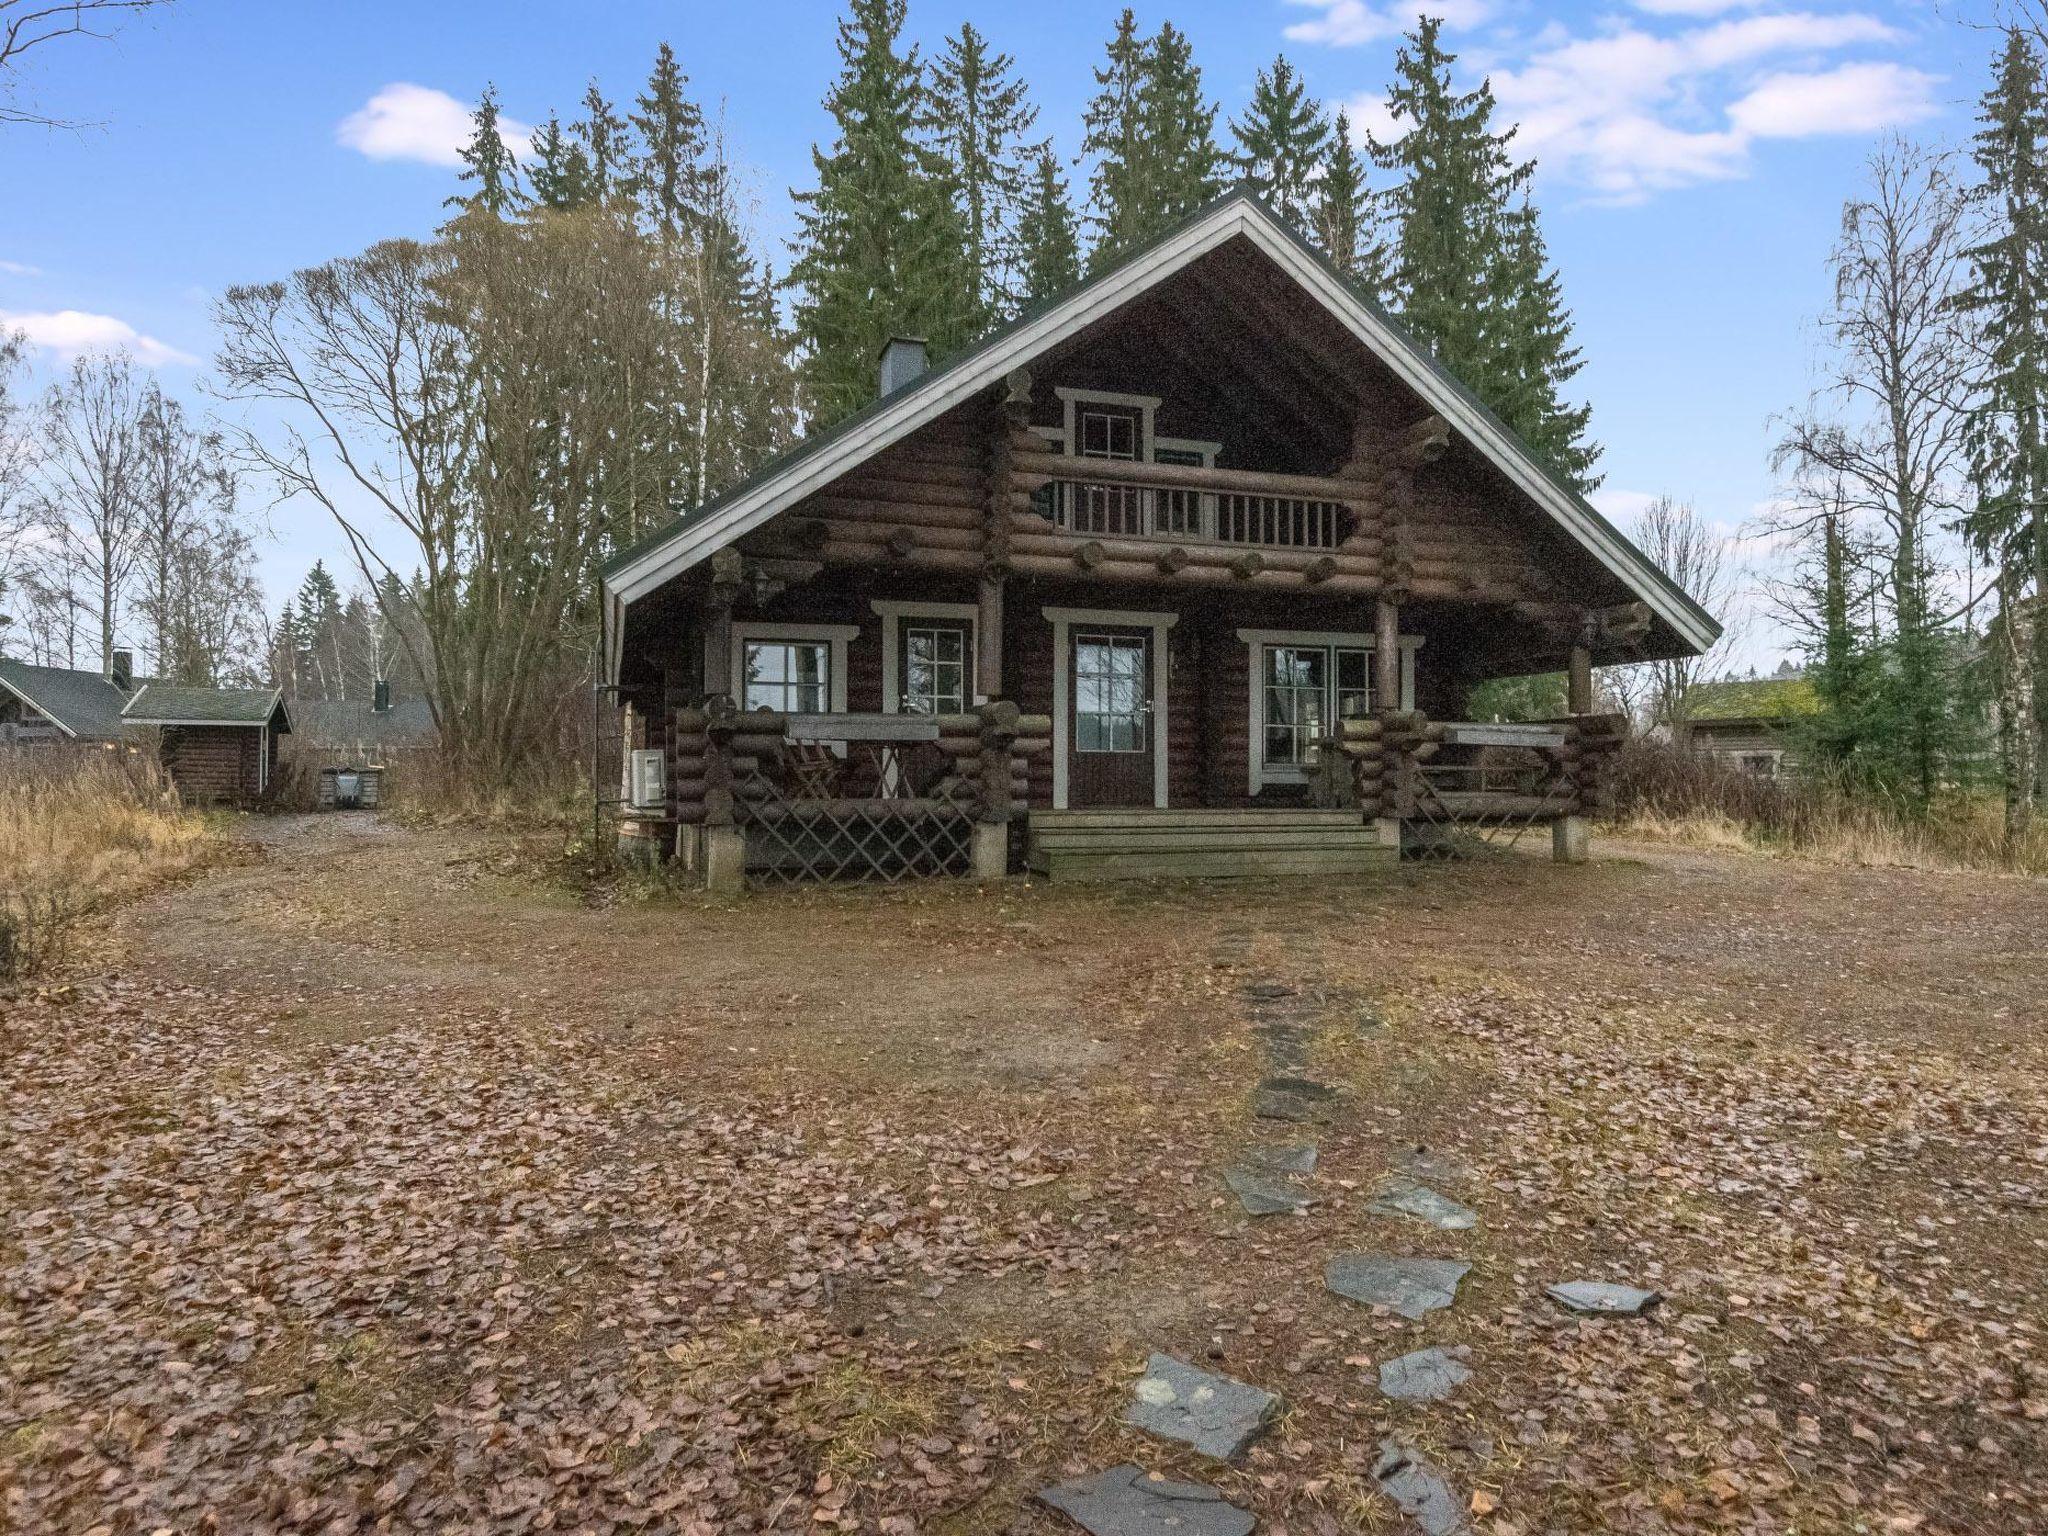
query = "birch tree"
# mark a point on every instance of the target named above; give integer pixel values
(1887, 431)
(89, 481)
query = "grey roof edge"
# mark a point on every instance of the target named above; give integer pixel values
(23, 694)
(1238, 211)
(274, 704)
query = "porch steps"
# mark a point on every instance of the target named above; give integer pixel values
(1145, 845)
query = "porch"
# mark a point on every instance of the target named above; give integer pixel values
(767, 798)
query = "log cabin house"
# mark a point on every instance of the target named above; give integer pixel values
(1187, 572)
(219, 745)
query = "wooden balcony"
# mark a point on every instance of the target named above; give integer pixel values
(1178, 515)
(1180, 505)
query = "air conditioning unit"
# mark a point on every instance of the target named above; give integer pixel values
(647, 788)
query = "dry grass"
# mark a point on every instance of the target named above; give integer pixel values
(78, 829)
(1691, 800)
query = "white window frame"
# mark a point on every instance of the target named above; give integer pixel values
(1147, 407)
(1063, 620)
(1258, 639)
(836, 635)
(891, 612)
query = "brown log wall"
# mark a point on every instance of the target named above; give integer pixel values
(214, 764)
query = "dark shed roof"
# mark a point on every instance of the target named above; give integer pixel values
(83, 705)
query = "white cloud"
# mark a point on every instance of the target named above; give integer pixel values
(19, 269)
(1854, 98)
(1370, 114)
(1620, 507)
(67, 332)
(1629, 112)
(404, 121)
(1350, 23)
(1695, 7)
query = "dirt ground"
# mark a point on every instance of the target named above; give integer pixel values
(381, 1180)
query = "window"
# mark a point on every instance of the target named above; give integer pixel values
(1307, 689)
(1109, 435)
(791, 676)
(935, 666)
(1110, 709)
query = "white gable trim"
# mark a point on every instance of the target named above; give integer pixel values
(1231, 217)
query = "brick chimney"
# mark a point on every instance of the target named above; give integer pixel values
(380, 697)
(121, 669)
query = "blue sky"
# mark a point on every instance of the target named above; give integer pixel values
(1693, 156)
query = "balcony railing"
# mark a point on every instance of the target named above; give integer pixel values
(1126, 511)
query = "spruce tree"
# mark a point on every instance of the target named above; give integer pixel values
(882, 247)
(1454, 184)
(1467, 270)
(1281, 141)
(1343, 212)
(1185, 169)
(1154, 139)
(671, 130)
(976, 119)
(1533, 356)
(1114, 133)
(559, 174)
(1048, 236)
(489, 164)
(601, 135)
(2009, 295)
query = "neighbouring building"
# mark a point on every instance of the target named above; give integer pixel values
(219, 745)
(1187, 572)
(1752, 723)
(361, 731)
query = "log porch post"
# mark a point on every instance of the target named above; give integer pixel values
(1386, 659)
(1570, 834)
(726, 576)
(988, 638)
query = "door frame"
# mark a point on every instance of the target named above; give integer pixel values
(1063, 620)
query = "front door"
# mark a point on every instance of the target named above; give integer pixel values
(1111, 743)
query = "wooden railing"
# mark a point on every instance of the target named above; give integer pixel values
(1126, 511)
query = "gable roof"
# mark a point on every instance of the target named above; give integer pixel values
(699, 532)
(85, 706)
(354, 723)
(182, 704)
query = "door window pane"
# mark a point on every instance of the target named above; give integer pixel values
(791, 676)
(1109, 694)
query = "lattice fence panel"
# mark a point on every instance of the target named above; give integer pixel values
(798, 839)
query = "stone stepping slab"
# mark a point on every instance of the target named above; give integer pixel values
(1264, 1193)
(1126, 1501)
(1601, 1298)
(1217, 1416)
(1419, 1490)
(1295, 1099)
(1411, 1287)
(1425, 1376)
(1404, 1197)
(1294, 1157)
